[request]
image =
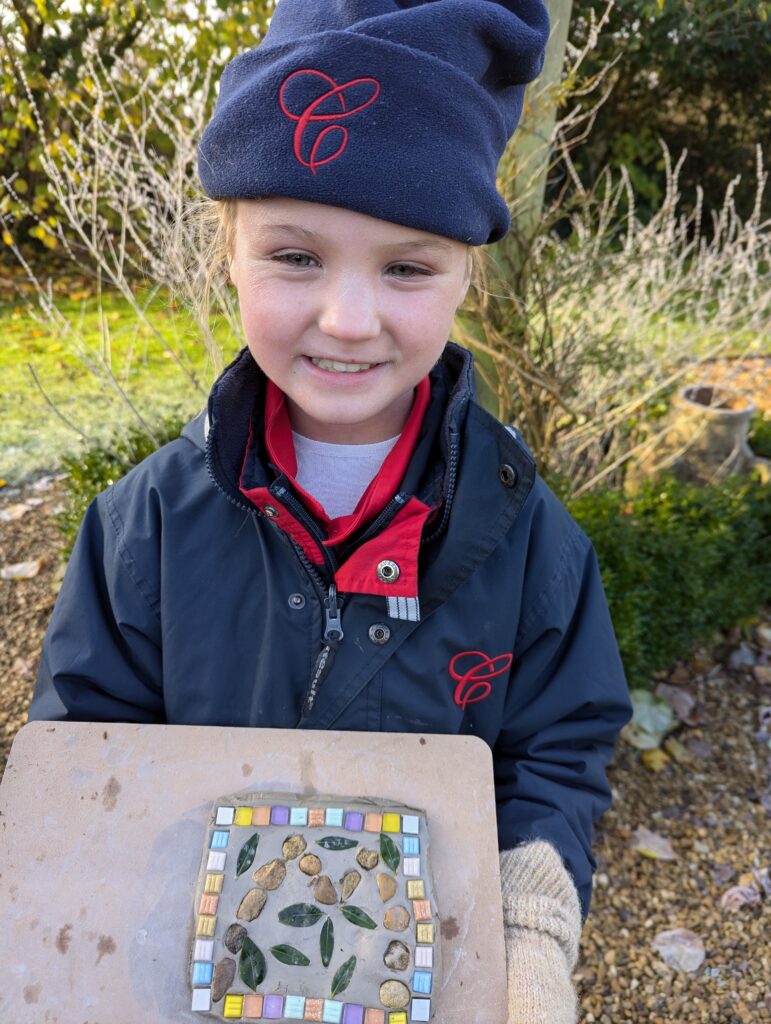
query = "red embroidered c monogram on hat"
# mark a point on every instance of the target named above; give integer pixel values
(311, 114)
(473, 684)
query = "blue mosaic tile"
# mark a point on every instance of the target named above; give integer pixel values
(219, 840)
(202, 974)
(421, 982)
(411, 846)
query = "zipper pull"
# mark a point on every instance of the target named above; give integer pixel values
(333, 624)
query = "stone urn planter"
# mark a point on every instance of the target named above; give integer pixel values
(706, 437)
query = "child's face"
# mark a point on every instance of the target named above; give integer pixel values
(318, 282)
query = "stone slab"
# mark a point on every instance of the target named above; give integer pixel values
(102, 828)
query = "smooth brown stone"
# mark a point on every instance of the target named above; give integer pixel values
(224, 973)
(349, 882)
(324, 891)
(234, 938)
(386, 886)
(394, 995)
(368, 859)
(396, 919)
(310, 864)
(251, 905)
(397, 956)
(270, 876)
(293, 847)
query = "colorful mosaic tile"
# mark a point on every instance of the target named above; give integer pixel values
(204, 949)
(224, 816)
(420, 1010)
(208, 904)
(353, 1014)
(219, 840)
(316, 817)
(424, 956)
(314, 1009)
(397, 1017)
(354, 821)
(298, 816)
(261, 816)
(410, 824)
(201, 1000)
(294, 1007)
(373, 822)
(333, 1011)
(416, 890)
(421, 910)
(273, 1007)
(234, 1006)
(392, 822)
(213, 883)
(243, 816)
(334, 816)
(279, 816)
(411, 846)
(421, 982)
(206, 926)
(425, 934)
(252, 1007)
(202, 973)
(216, 861)
(411, 865)
(374, 1017)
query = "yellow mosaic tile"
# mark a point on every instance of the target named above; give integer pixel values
(421, 910)
(243, 816)
(214, 883)
(234, 1006)
(416, 890)
(392, 822)
(397, 1017)
(425, 934)
(206, 925)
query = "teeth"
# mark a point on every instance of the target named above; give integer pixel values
(330, 364)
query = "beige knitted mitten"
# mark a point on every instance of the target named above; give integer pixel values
(542, 928)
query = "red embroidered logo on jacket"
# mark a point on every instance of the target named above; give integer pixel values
(474, 684)
(311, 115)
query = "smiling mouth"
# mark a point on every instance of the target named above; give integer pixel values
(341, 367)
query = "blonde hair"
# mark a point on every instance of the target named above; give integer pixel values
(216, 230)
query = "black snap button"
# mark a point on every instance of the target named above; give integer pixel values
(507, 475)
(379, 633)
(271, 511)
(296, 601)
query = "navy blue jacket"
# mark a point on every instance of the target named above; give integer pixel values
(184, 602)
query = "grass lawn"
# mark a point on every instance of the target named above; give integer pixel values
(33, 436)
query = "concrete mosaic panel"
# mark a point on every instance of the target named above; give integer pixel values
(315, 909)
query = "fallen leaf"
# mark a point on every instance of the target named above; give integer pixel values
(676, 750)
(742, 657)
(21, 570)
(739, 896)
(654, 760)
(13, 512)
(723, 873)
(680, 948)
(763, 879)
(651, 844)
(681, 701)
(651, 720)
(699, 748)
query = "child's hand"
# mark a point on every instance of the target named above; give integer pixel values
(542, 927)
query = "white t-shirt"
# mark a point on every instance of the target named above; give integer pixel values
(338, 474)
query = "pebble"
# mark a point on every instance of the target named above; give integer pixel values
(324, 891)
(397, 956)
(251, 905)
(396, 919)
(349, 882)
(224, 974)
(293, 846)
(386, 886)
(271, 875)
(310, 864)
(234, 938)
(394, 995)
(368, 859)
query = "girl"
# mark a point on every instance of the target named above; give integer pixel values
(345, 539)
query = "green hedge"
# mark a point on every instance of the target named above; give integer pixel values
(678, 562)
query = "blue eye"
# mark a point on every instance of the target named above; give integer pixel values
(300, 260)
(405, 271)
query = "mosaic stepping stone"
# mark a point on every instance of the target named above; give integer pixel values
(289, 915)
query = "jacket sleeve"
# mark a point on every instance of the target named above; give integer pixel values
(566, 704)
(101, 656)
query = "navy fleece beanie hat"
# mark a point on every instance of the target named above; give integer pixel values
(399, 109)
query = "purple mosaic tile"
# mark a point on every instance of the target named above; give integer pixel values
(353, 1014)
(354, 821)
(273, 1006)
(279, 816)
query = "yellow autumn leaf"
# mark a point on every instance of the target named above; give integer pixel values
(7, 238)
(654, 760)
(20, 185)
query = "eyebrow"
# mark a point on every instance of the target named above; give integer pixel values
(296, 229)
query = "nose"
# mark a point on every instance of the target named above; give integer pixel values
(349, 308)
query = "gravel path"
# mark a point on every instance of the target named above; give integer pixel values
(714, 808)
